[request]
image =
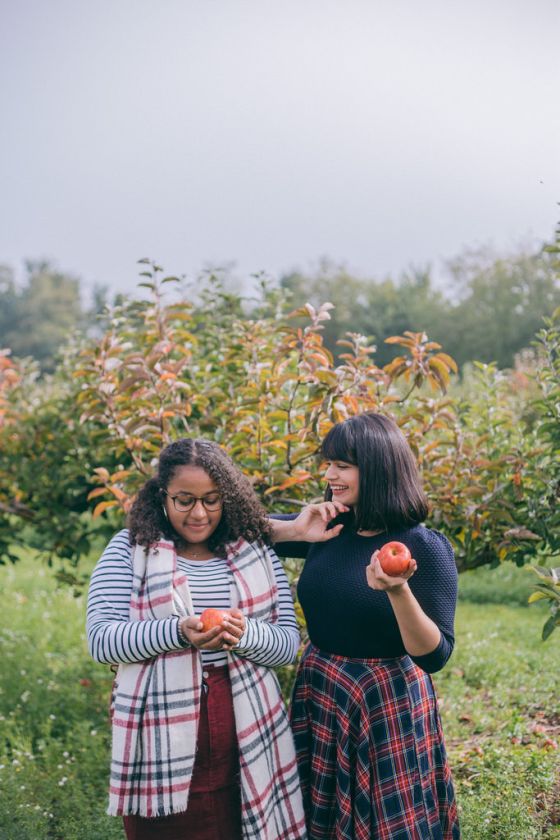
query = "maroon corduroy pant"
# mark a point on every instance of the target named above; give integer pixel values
(214, 809)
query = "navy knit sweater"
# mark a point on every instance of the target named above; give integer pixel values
(346, 617)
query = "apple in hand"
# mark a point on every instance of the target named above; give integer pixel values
(394, 558)
(212, 618)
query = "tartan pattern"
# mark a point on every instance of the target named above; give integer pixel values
(370, 750)
(156, 706)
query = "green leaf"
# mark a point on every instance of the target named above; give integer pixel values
(549, 626)
(536, 596)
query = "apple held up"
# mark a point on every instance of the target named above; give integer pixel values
(394, 558)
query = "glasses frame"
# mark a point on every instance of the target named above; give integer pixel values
(195, 499)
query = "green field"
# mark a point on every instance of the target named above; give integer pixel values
(499, 701)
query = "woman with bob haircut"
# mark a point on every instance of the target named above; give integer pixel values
(202, 746)
(368, 735)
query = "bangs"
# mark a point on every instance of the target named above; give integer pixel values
(340, 444)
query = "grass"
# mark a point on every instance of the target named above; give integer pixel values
(498, 700)
(501, 717)
(506, 584)
(54, 735)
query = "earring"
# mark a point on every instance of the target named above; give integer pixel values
(165, 512)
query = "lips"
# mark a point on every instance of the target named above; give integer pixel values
(338, 488)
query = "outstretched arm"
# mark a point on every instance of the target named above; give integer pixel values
(311, 525)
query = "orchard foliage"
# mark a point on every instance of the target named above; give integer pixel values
(75, 447)
(265, 388)
(548, 588)
(45, 464)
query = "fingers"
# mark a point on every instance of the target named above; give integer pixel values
(235, 628)
(193, 631)
(226, 635)
(378, 579)
(192, 623)
(334, 532)
(209, 636)
(330, 510)
(326, 510)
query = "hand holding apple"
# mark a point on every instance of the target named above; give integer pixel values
(214, 629)
(213, 618)
(379, 577)
(394, 558)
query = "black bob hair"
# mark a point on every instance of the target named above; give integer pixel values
(390, 490)
(242, 513)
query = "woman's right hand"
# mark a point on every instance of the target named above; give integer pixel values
(218, 638)
(311, 524)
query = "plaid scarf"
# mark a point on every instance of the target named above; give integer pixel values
(156, 705)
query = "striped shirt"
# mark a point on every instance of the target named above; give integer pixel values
(112, 638)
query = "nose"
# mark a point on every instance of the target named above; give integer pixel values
(198, 511)
(330, 472)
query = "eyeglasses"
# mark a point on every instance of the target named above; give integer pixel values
(183, 502)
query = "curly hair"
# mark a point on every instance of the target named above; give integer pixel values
(242, 513)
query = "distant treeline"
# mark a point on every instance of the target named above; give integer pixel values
(490, 308)
(488, 311)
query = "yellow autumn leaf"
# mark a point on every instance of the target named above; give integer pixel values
(101, 507)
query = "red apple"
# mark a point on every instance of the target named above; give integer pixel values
(212, 618)
(394, 558)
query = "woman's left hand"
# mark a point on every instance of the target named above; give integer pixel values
(377, 579)
(235, 628)
(224, 636)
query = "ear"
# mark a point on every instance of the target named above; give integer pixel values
(161, 495)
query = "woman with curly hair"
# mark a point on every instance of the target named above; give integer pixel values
(201, 742)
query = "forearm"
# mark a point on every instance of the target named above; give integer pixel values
(114, 642)
(284, 530)
(268, 644)
(419, 633)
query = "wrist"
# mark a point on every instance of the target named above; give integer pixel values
(401, 591)
(283, 530)
(183, 638)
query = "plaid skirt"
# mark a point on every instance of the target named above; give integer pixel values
(370, 750)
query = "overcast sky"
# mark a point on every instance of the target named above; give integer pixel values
(378, 133)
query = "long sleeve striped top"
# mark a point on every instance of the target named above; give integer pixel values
(113, 638)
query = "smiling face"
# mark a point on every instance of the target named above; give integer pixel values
(197, 525)
(344, 482)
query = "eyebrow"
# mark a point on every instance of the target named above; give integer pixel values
(186, 493)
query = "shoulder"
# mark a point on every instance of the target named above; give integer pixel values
(119, 547)
(426, 543)
(121, 538)
(430, 538)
